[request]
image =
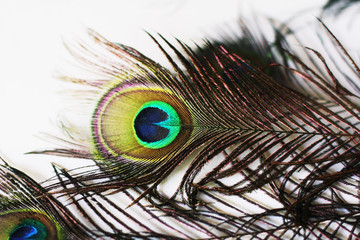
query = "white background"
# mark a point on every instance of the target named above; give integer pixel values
(31, 51)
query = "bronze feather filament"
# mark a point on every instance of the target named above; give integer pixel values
(249, 153)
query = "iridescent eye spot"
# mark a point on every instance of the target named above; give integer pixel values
(29, 229)
(156, 125)
(27, 224)
(140, 123)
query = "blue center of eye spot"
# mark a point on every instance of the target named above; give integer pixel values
(156, 125)
(24, 232)
(148, 125)
(29, 230)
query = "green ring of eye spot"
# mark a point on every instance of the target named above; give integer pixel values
(156, 124)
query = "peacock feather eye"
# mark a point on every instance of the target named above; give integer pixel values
(28, 224)
(30, 212)
(156, 125)
(140, 123)
(29, 229)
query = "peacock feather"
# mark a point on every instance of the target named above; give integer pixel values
(251, 137)
(234, 127)
(28, 211)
